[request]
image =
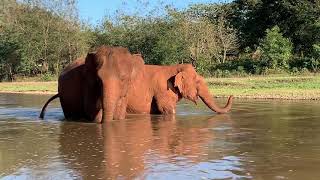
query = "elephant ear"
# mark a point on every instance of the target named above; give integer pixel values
(178, 82)
(138, 63)
(92, 62)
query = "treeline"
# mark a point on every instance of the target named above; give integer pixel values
(239, 38)
(39, 37)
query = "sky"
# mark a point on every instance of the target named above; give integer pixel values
(93, 11)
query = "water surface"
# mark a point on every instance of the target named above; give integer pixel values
(260, 139)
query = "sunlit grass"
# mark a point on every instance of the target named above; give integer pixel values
(36, 87)
(304, 87)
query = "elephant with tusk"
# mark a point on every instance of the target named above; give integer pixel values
(157, 89)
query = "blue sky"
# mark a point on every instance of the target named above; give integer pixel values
(94, 10)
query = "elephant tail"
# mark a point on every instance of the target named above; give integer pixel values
(45, 105)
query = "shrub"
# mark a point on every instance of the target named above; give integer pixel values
(243, 66)
(295, 70)
(302, 62)
(48, 77)
(304, 71)
(276, 49)
(315, 60)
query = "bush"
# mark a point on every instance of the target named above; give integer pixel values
(269, 71)
(217, 73)
(295, 70)
(276, 49)
(48, 77)
(301, 63)
(315, 60)
(9, 57)
(241, 66)
(304, 71)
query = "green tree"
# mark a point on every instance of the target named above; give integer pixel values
(276, 49)
(173, 38)
(210, 33)
(299, 20)
(48, 35)
(9, 57)
(315, 59)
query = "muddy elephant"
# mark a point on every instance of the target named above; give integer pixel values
(157, 89)
(95, 88)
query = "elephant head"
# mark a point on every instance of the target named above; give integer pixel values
(112, 68)
(190, 85)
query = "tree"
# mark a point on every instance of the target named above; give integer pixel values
(315, 59)
(45, 43)
(9, 57)
(205, 32)
(221, 31)
(276, 50)
(299, 20)
(227, 37)
(175, 37)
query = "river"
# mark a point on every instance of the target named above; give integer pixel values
(259, 139)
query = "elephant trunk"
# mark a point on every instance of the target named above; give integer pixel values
(206, 97)
(109, 100)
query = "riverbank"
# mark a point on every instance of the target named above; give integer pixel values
(290, 87)
(29, 87)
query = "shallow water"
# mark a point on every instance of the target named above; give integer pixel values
(260, 139)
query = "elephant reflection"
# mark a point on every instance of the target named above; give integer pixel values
(126, 148)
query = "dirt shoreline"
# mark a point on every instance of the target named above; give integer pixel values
(29, 92)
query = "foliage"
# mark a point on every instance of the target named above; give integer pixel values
(238, 38)
(298, 19)
(276, 50)
(44, 44)
(240, 67)
(315, 60)
(9, 56)
(47, 77)
(177, 37)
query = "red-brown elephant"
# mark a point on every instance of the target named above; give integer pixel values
(95, 88)
(157, 89)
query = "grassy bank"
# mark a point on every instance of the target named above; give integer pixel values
(290, 87)
(29, 87)
(305, 87)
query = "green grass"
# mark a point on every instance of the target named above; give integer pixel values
(29, 87)
(286, 87)
(289, 87)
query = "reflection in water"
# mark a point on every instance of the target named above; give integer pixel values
(27, 107)
(148, 147)
(258, 140)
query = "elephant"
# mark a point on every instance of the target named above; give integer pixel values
(95, 87)
(157, 89)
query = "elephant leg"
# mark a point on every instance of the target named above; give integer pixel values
(71, 109)
(92, 104)
(169, 117)
(93, 113)
(166, 103)
(98, 117)
(120, 110)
